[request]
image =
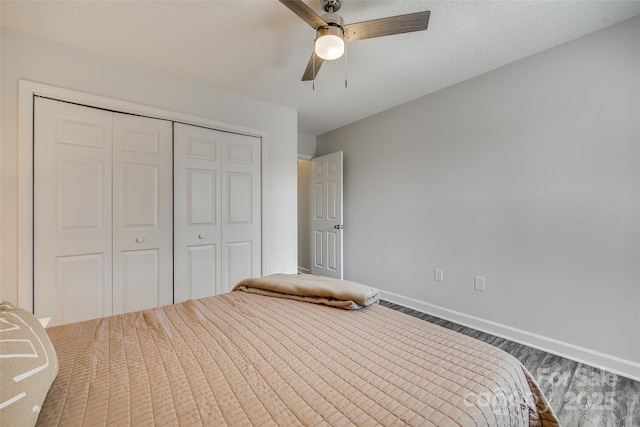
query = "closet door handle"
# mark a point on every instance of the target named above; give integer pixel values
(200, 236)
(139, 239)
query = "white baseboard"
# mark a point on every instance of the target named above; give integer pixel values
(607, 362)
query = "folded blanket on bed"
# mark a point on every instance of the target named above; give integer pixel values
(310, 288)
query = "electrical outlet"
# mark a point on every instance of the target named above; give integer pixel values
(478, 283)
(285, 268)
(438, 275)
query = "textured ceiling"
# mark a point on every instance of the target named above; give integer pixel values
(260, 48)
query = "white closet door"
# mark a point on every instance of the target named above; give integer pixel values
(197, 213)
(241, 212)
(142, 213)
(72, 212)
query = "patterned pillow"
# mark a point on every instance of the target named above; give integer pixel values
(28, 366)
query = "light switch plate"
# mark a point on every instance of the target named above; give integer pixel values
(438, 275)
(478, 283)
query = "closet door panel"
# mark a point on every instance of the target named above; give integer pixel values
(72, 212)
(241, 213)
(140, 284)
(202, 271)
(143, 213)
(139, 196)
(81, 287)
(197, 212)
(239, 262)
(79, 182)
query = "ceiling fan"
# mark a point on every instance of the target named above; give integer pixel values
(332, 34)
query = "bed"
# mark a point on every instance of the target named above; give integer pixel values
(245, 358)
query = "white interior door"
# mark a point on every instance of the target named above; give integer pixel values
(326, 215)
(197, 197)
(72, 211)
(142, 213)
(241, 208)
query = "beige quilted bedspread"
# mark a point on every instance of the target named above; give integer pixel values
(246, 359)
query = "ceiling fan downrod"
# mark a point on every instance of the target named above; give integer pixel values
(331, 6)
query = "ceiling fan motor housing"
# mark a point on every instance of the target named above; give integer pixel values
(335, 28)
(331, 30)
(333, 19)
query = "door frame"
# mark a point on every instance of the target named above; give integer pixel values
(27, 90)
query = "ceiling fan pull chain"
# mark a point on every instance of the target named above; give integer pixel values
(346, 64)
(313, 82)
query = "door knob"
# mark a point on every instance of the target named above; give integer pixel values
(338, 226)
(200, 236)
(139, 239)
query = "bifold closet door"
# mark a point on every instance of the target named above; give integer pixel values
(142, 213)
(72, 212)
(102, 212)
(217, 210)
(241, 209)
(197, 212)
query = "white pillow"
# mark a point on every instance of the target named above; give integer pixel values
(28, 366)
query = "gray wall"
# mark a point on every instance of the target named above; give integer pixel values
(50, 63)
(529, 176)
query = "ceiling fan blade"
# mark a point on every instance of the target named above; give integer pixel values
(309, 73)
(387, 26)
(305, 12)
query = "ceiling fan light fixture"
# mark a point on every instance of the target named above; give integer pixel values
(329, 42)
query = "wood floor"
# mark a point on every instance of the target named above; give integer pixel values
(580, 395)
